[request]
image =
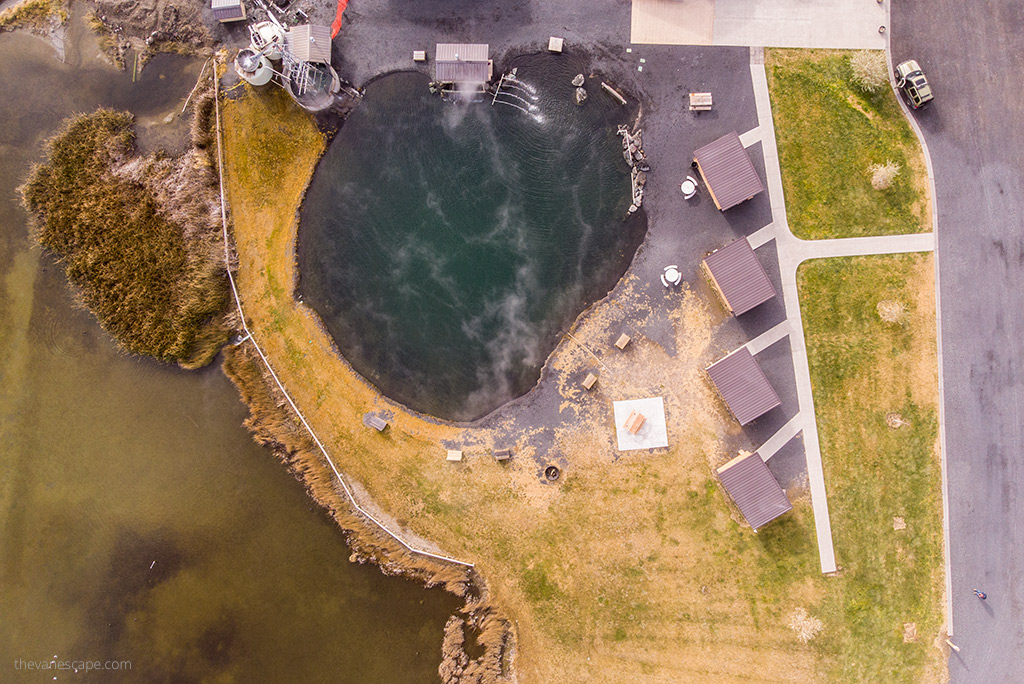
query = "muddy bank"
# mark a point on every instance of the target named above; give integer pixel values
(477, 629)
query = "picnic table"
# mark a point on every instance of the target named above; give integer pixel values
(700, 102)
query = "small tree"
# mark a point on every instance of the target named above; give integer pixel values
(869, 70)
(882, 175)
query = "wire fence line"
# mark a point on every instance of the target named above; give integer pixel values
(266, 362)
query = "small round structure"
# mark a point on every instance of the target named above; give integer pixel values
(552, 473)
(267, 38)
(253, 67)
(671, 276)
(689, 187)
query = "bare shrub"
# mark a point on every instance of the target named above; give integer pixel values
(891, 311)
(806, 626)
(870, 71)
(895, 421)
(882, 175)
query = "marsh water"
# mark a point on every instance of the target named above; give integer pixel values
(138, 520)
(446, 245)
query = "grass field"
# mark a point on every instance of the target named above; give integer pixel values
(829, 132)
(864, 369)
(631, 568)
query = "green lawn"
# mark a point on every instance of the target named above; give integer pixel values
(829, 132)
(863, 369)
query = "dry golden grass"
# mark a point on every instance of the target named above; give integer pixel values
(628, 567)
(635, 565)
(34, 14)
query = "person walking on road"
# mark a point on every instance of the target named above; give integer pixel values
(980, 594)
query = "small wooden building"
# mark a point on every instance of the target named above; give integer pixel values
(309, 43)
(727, 171)
(738, 277)
(754, 489)
(228, 10)
(743, 386)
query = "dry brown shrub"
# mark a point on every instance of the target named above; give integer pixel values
(891, 311)
(806, 626)
(882, 175)
(870, 71)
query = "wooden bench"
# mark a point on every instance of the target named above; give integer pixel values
(622, 341)
(502, 454)
(454, 455)
(700, 102)
(589, 381)
(375, 422)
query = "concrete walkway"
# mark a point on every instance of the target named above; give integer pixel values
(792, 251)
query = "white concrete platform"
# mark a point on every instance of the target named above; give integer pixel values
(847, 24)
(653, 434)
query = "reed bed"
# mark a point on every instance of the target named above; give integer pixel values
(138, 236)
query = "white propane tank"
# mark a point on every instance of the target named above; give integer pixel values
(253, 67)
(268, 38)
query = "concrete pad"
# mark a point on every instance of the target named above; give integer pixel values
(847, 24)
(672, 22)
(653, 434)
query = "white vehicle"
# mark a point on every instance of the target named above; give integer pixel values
(912, 81)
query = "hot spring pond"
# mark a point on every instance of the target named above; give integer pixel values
(447, 245)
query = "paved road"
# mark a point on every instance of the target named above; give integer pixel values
(974, 55)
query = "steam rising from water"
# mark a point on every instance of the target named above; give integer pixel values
(447, 244)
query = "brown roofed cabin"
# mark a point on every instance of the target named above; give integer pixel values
(462, 63)
(228, 10)
(743, 386)
(727, 171)
(309, 43)
(754, 489)
(738, 277)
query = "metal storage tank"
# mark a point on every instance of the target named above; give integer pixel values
(253, 67)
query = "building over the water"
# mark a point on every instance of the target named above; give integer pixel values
(462, 63)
